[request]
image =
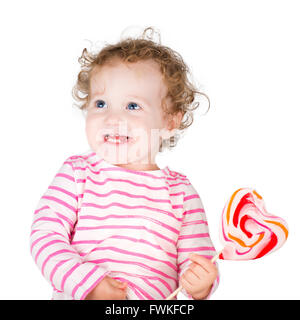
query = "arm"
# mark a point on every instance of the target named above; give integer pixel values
(194, 238)
(53, 223)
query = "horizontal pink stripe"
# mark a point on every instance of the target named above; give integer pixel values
(83, 280)
(178, 178)
(60, 263)
(154, 287)
(48, 219)
(132, 216)
(69, 221)
(61, 202)
(192, 196)
(195, 249)
(177, 174)
(130, 253)
(177, 194)
(129, 239)
(178, 184)
(82, 168)
(76, 157)
(40, 209)
(33, 232)
(50, 243)
(67, 274)
(192, 236)
(155, 278)
(191, 223)
(53, 255)
(117, 204)
(120, 169)
(74, 196)
(127, 227)
(41, 238)
(127, 195)
(66, 176)
(177, 206)
(193, 211)
(127, 181)
(142, 265)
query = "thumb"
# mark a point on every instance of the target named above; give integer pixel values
(122, 285)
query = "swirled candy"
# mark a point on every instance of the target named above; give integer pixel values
(248, 231)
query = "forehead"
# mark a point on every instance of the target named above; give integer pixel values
(141, 76)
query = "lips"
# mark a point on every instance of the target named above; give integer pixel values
(116, 139)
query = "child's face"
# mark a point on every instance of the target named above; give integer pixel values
(126, 99)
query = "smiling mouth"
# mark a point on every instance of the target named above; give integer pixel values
(116, 139)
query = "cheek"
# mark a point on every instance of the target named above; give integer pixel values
(153, 122)
(91, 129)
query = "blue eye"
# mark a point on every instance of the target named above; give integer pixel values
(100, 103)
(132, 104)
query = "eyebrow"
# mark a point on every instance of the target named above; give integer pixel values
(98, 93)
(139, 98)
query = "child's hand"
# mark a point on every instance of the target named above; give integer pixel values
(108, 289)
(199, 277)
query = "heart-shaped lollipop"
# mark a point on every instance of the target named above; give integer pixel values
(247, 230)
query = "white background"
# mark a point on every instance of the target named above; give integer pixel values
(243, 54)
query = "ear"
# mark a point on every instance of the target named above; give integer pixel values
(176, 120)
(173, 124)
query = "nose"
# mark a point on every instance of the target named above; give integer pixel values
(116, 122)
(112, 119)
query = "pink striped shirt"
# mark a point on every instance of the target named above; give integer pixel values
(98, 219)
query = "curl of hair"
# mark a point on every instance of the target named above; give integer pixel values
(181, 90)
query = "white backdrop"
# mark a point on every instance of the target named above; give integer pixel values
(244, 56)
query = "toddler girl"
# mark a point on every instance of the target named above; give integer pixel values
(112, 224)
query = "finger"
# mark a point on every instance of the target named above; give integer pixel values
(203, 262)
(191, 277)
(198, 270)
(202, 275)
(120, 294)
(186, 285)
(118, 284)
(121, 284)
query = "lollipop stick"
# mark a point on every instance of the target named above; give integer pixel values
(174, 293)
(216, 256)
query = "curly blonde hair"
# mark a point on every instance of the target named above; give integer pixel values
(175, 73)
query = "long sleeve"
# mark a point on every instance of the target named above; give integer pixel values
(53, 225)
(194, 234)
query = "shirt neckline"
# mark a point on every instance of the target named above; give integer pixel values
(106, 164)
